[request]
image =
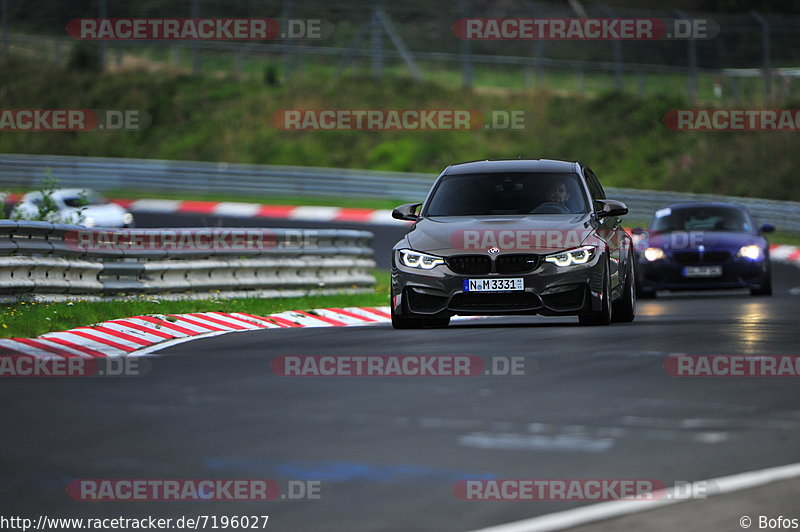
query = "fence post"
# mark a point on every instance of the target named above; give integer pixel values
(195, 13)
(352, 49)
(765, 53)
(377, 45)
(691, 50)
(286, 52)
(398, 42)
(579, 78)
(103, 47)
(5, 26)
(175, 56)
(616, 47)
(464, 49)
(239, 63)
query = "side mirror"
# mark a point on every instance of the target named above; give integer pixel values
(637, 231)
(767, 228)
(611, 208)
(406, 212)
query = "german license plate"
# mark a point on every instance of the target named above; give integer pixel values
(702, 271)
(494, 285)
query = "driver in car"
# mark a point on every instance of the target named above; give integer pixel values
(557, 192)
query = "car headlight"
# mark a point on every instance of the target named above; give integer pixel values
(751, 252)
(580, 255)
(89, 221)
(415, 259)
(653, 254)
(127, 218)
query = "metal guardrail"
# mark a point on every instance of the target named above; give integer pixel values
(46, 259)
(263, 180)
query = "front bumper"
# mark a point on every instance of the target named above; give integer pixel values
(548, 290)
(665, 274)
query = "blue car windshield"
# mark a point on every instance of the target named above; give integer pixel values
(511, 193)
(702, 218)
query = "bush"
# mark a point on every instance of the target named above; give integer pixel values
(85, 57)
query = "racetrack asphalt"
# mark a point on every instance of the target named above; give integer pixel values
(594, 402)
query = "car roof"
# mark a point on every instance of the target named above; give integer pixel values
(694, 204)
(511, 165)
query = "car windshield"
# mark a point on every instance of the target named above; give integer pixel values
(508, 194)
(85, 199)
(702, 218)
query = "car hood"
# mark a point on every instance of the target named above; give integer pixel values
(450, 235)
(692, 240)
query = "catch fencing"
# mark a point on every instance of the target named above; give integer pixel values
(416, 38)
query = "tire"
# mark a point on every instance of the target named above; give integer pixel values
(624, 310)
(766, 287)
(414, 322)
(603, 316)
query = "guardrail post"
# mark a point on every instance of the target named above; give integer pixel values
(766, 63)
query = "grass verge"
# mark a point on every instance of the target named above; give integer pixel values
(29, 319)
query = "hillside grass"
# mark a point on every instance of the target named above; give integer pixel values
(620, 135)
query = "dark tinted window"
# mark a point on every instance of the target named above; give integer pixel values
(595, 189)
(507, 193)
(702, 219)
(83, 200)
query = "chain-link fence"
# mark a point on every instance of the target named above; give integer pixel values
(750, 59)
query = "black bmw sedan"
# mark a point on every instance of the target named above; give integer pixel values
(511, 237)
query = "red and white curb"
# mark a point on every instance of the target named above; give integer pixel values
(788, 254)
(257, 210)
(140, 335)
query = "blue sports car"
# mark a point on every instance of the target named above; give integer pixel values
(697, 246)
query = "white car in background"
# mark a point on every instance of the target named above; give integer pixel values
(75, 206)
